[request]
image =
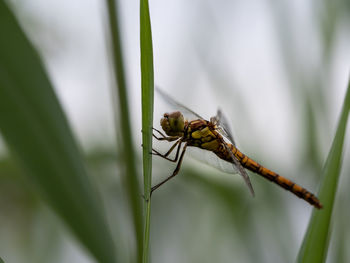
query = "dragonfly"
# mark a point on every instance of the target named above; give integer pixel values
(215, 136)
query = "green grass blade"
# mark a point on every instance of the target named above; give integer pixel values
(315, 244)
(37, 134)
(130, 176)
(147, 89)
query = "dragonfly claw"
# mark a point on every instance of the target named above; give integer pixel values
(143, 196)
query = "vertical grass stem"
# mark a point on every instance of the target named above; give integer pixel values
(147, 90)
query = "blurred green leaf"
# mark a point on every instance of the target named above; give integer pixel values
(341, 232)
(37, 133)
(315, 244)
(311, 157)
(130, 178)
(147, 90)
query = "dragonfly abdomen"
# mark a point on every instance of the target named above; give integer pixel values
(287, 184)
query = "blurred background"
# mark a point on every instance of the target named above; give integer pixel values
(278, 69)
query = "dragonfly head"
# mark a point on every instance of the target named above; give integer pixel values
(173, 123)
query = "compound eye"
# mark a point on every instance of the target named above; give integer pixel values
(166, 116)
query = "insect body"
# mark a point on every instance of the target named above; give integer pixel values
(215, 136)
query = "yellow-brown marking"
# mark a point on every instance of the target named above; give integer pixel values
(211, 146)
(272, 176)
(201, 133)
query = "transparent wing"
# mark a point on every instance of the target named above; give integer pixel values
(211, 159)
(223, 126)
(241, 170)
(224, 129)
(175, 105)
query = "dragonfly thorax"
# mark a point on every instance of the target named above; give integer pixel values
(173, 123)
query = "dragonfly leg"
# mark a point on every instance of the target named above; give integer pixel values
(162, 134)
(164, 138)
(165, 156)
(169, 139)
(176, 171)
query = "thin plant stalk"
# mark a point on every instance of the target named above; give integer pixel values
(147, 90)
(130, 176)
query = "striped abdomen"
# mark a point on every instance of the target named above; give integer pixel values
(274, 177)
